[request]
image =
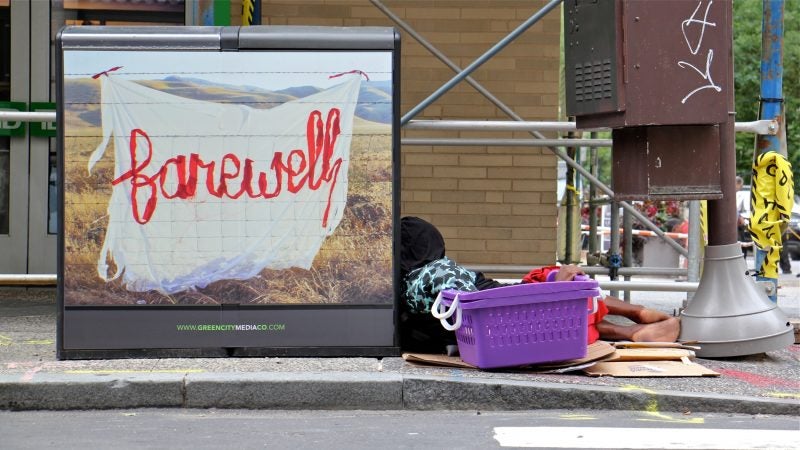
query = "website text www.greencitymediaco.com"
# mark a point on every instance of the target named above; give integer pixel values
(232, 327)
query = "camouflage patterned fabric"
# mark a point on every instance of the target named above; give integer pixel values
(425, 283)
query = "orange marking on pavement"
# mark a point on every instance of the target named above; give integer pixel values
(759, 380)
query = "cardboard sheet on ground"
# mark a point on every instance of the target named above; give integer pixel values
(684, 368)
(594, 352)
(650, 354)
(650, 359)
(653, 359)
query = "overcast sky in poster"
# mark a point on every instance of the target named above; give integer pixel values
(271, 70)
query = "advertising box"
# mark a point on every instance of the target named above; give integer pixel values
(227, 191)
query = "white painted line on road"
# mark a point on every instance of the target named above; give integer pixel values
(112, 371)
(645, 438)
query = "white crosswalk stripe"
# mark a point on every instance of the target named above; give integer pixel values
(646, 438)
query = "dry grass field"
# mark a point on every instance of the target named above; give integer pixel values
(354, 265)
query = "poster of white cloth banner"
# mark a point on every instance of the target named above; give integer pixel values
(206, 191)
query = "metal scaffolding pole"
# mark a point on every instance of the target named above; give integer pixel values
(627, 253)
(28, 116)
(444, 59)
(594, 158)
(627, 286)
(613, 251)
(765, 126)
(594, 181)
(589, 270)
(510, 142)
(696, 242)
(28, 280)
(746, 126)
(478, 62)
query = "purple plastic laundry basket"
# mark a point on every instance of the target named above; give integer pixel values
(523, 324)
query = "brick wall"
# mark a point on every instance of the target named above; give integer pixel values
(494, 205)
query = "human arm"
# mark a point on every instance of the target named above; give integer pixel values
(568, 273)
(552, 273)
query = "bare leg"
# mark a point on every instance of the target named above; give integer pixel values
(636, 313)
(666, 330)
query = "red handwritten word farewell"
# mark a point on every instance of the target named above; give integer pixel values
(298, 168)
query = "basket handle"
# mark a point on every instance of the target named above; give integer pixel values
(438, 313)
(594, 304)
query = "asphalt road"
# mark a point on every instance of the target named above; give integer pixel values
(207, 429)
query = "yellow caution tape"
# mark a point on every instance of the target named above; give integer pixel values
(704, 220)
(771, 202)
(248, 9)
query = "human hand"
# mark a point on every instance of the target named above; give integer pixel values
(568, 272)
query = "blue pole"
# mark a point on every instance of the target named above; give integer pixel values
(771, 101)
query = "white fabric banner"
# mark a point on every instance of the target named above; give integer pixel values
(207, 191)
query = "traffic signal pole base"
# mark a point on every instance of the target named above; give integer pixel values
(730, 315)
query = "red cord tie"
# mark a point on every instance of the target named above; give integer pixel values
(347, 73)
(105, 72)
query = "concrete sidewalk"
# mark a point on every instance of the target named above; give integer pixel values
(32, 378)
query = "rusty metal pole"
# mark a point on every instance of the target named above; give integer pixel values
(722, 213)
(730, 315)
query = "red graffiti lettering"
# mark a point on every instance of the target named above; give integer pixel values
(296, 171)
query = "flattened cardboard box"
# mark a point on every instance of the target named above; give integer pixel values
(650, 354)
(683, 368)
(652, 359)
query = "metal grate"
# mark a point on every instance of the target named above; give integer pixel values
(593, 81)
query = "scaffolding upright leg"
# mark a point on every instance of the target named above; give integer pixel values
(592, 198)
(614, 259)
(627, 253)
(695, 246)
